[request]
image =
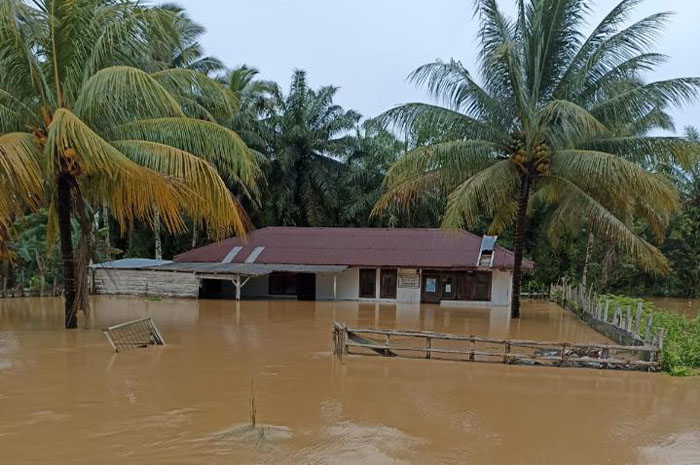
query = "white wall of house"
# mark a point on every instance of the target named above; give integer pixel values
(348, 285)
(501, 282)
(348, 288)
(409, 284)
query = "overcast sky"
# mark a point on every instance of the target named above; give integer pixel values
(368, 47)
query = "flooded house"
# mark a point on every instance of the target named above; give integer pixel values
(449, 267)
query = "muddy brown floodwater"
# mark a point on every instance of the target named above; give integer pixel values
(688, 308)
(65, 398)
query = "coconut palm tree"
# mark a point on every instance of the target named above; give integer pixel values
(80, 125)
(542, 125)
(306, 134)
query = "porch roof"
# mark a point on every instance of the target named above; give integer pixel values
(246, 269)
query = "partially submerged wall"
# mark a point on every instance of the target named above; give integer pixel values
(143, 282)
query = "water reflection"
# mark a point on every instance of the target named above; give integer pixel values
(688, 308)
(164, 405)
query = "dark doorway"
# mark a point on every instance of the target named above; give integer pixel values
(368, 283)
(430, 289)
(216, 289)
(306, 286)
(283, 284)
(387, 284)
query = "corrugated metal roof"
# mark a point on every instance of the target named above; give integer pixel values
(250, 269)
(130, 263)
(375, 247)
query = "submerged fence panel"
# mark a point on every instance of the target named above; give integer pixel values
(430, 345)
(133, 334)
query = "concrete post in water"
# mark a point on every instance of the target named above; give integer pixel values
(628, 319)
(660, 345)
(638, 319)
(660, 338)
(335, 286)
(647, 333)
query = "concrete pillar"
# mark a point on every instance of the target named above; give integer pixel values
(237, 283)
(335, 286)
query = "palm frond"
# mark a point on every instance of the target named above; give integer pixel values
(212, 200)
(484, 193)
(191, 85)
(215, 144)
(121, 94)
(575, 203)
(607, 176)
(20, 175)
(131, 191)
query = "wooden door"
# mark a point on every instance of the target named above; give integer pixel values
(387, 284)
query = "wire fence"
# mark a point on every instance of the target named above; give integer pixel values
(133, 334)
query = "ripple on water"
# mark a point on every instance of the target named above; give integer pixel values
(348, 442)
(679, 450)
(259, 435)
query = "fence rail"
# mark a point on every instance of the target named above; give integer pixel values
(431, 345)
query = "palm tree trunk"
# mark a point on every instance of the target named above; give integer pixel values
(518, 246)
(63, 211)
(84, 254)
(195, 235)
(130, 239)
(105, 223)
(156, 232)
(587, 261)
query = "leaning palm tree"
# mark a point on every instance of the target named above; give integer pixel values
(79, 126)
(542, 126)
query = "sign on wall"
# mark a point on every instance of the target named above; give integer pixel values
(409, 279)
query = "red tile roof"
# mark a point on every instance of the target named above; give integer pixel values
(375, 247)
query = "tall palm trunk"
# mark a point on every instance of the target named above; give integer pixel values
(156, 232)
(518, 246)
(63, 211)
(195, 234)
(105, 223)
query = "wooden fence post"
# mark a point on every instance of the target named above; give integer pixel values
(660, 338)
(660, 345)
(428, 346)
(563, 354)
(607, 308)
